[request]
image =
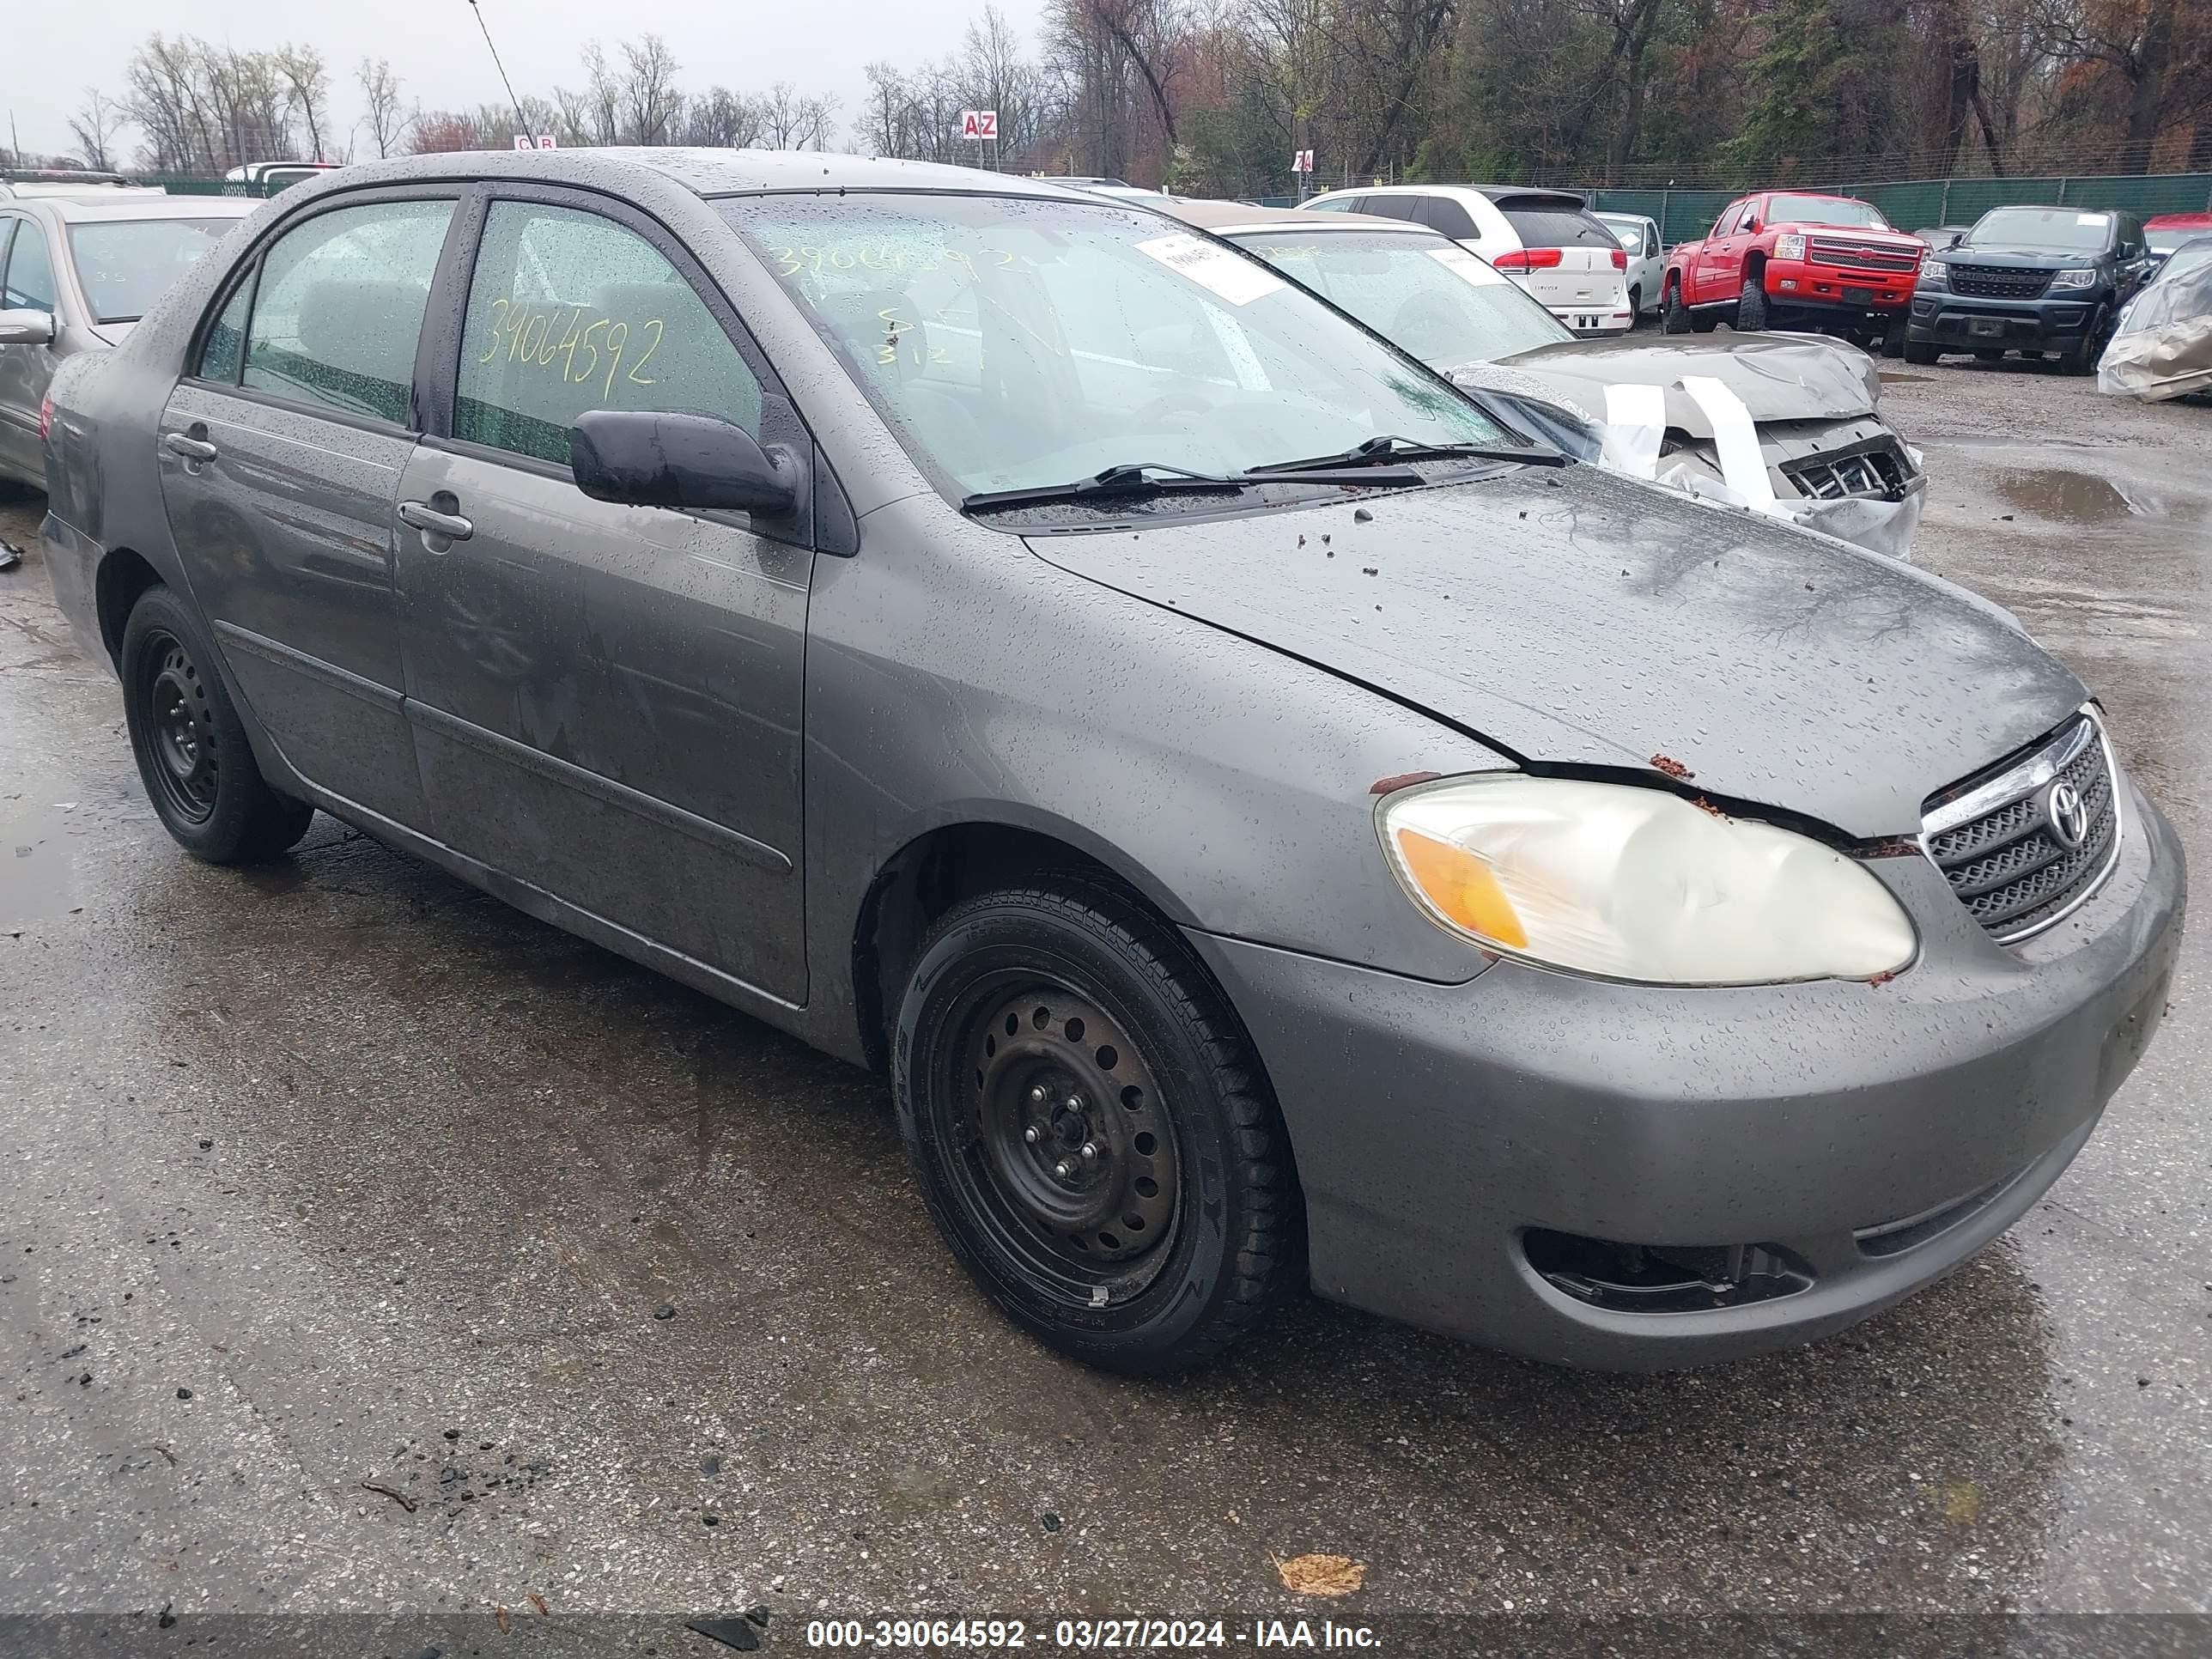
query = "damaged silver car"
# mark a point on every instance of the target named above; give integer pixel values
(1782, 424)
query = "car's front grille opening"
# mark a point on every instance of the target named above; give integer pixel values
(1881, 471)
(1999, 281)
(1826, 250)
(1663, 1278)
(1896, 1237)
(2024, 845)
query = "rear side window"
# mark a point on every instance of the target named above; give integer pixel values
(30, 281)
(1444, 213)
(1341, 204)
(1545, 227)
(223, 353)
(569, 312)
(341, 305)
(1391, 207)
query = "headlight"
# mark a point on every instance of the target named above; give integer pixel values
(2079, 276)
(1637, 884)
(1789, 245)
(1931, 275)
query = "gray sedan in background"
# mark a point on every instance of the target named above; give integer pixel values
(1276, 821)
(79, 264)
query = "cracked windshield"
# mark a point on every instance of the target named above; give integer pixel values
(1014, 344)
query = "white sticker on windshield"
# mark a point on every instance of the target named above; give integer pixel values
(1466, 266)
(1237, 279)
(2097, 219)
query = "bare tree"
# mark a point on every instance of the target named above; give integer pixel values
(782, 119)
(603, 99)
(307, 90)
(379, 91)
(650, 103)
(721, 119)
(95, 126)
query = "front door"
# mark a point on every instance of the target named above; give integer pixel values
(27, 283)
(281, 451)
(606, 699)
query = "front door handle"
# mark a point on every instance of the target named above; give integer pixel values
(192, 449)
(432, 522)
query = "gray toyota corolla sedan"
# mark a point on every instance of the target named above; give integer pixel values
(1275, 822)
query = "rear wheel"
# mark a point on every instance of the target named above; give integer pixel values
(192, 753)
(1750, 304)
(1090, 1130)
(1635, 306)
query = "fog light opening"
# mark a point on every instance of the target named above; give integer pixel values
(1663, 1278)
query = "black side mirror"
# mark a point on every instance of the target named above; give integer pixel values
(643, 458)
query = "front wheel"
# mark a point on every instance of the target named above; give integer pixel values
(1892, 338)
(2080, 357)
(1090, 1130)
(1751, 305)
(1673, 315)
(191, 749)
(1920, 352)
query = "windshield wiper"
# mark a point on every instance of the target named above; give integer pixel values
(1157, 477)
(1375, 452)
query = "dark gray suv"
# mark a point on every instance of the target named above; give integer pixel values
(1275, 822)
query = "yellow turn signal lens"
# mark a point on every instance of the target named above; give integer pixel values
(1460, 886)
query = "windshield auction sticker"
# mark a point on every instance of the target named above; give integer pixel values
(1235, 278)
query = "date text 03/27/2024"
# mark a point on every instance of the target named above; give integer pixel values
(1087, 1635)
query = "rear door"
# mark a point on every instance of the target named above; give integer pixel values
(1571, 266)
(281, 451)
(1703, 262)
(606, 699)
(27, 283)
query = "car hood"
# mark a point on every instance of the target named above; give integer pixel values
(2014, 259)
(1572, 615)
(1778, 378)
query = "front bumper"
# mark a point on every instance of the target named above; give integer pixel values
(1964, 322)
(1436, 1124)
(1797, 283)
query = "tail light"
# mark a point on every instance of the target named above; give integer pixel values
(1620, 259)
(1528, 258)
(45, 417)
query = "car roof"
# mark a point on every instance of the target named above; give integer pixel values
(2178, 222)
(1225, 216)
(1501, 195)
(704, 172)
(91, 209)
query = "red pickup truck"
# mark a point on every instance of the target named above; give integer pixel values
(1827, 262)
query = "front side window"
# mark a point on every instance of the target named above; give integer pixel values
(570, 312)
(124, 265)
(223, 353)
(30, 281)
(1013, 343)
(340, 307)
(1433, 298)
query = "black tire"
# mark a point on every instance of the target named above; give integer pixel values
(1635, 306)
(1673, 315)
(1893, 339)
(2080, 357)
(1751, 311)
(1985, 355)
(1921, 352)
(1002, 1079)
(193, 758)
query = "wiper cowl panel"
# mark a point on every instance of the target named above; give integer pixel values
(1122, 481)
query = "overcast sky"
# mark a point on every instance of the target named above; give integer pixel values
(54, 52)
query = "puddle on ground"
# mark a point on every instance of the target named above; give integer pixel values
(2072, 497)
(37, 883)
(1891, 377)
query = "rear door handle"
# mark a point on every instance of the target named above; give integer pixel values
(192, 449)
(431, 522)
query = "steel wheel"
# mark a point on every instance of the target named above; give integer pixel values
(181, 729)
(1062, 1147)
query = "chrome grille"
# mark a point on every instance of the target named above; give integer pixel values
(1882, 473)
(1999, 281)
(1827, 251)
(1995, 839)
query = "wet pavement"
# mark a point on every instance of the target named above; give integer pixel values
(365, 1244)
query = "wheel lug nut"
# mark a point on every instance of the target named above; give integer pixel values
(1030, 1134)
(1091, 1149)
(1036, 1094)
(1074, 1102)
(1063, 1169)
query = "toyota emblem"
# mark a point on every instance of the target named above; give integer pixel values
(2068, 814)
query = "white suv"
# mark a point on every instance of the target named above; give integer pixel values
(1547, 240)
